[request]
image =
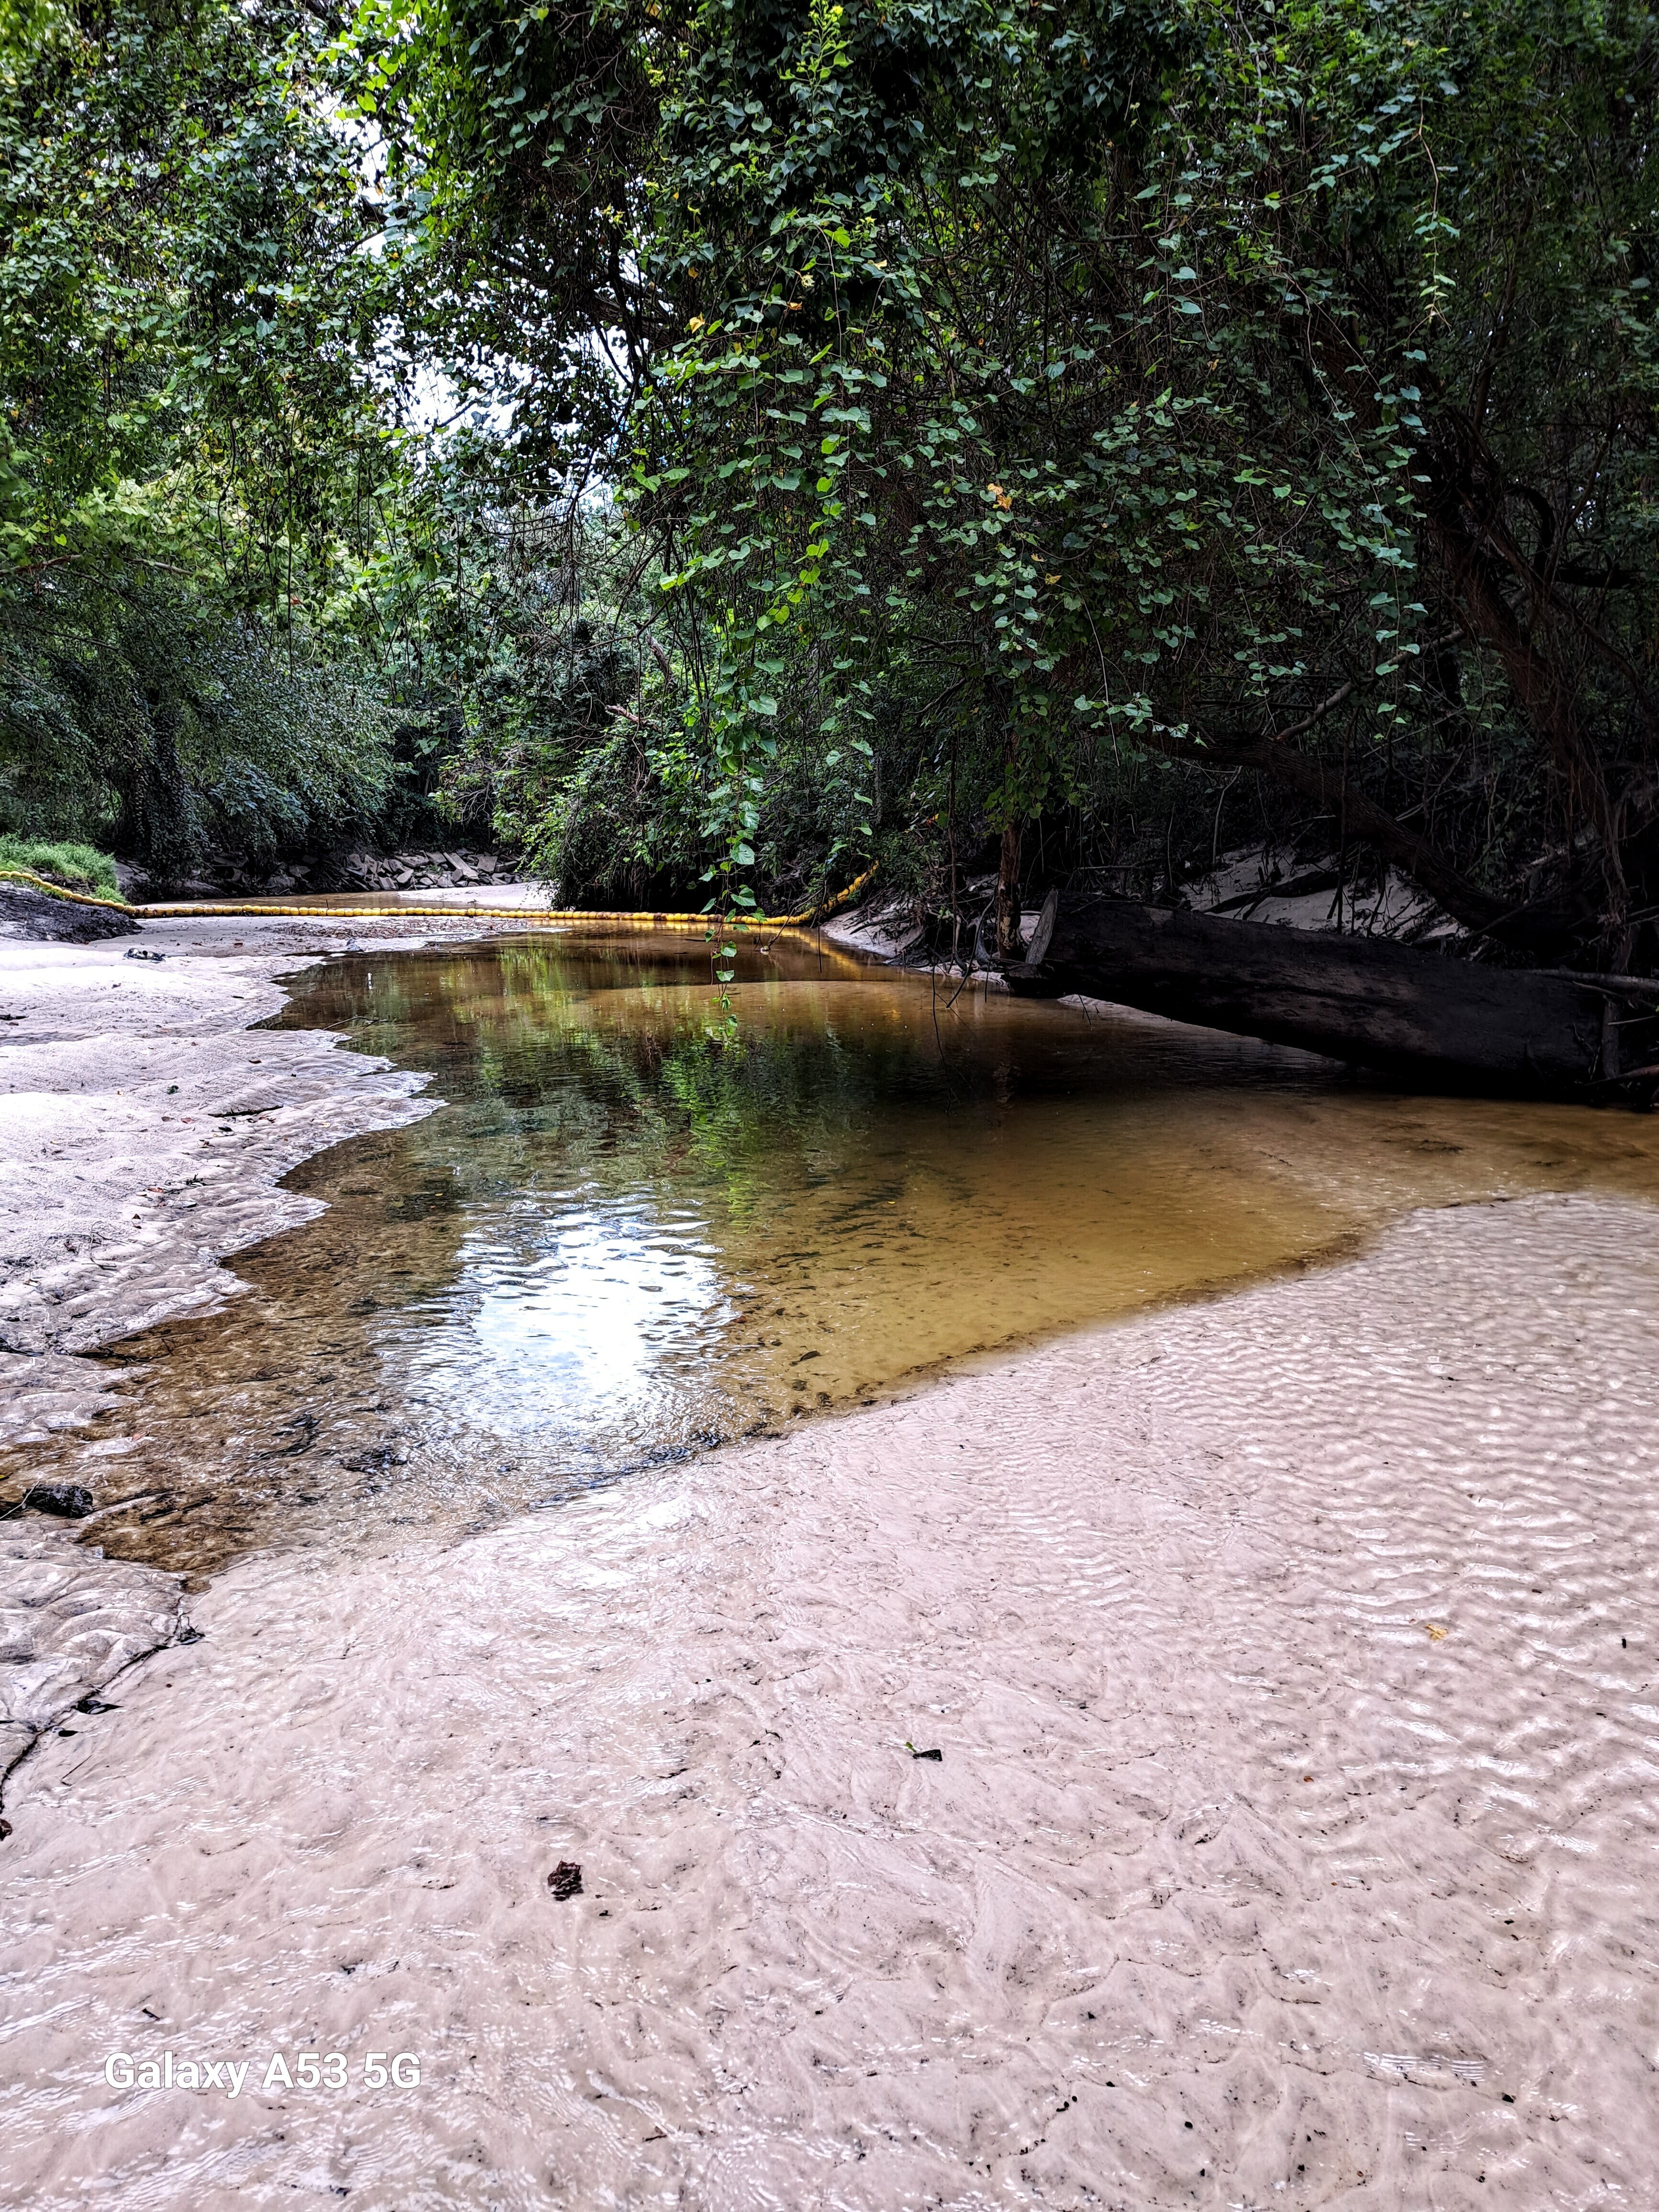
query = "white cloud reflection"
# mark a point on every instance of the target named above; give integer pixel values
(581, 1325)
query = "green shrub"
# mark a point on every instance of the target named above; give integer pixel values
(81, 867)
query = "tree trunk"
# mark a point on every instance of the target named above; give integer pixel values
(1010, 945)
(1352, 998)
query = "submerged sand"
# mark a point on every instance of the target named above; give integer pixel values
(1292, 1663)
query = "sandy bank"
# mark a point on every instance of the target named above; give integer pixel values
(144, 1126)
(1292, 1660)
(145, 1123)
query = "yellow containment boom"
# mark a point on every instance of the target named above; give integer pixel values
(708, 922)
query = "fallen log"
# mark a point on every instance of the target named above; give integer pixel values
(1358, 999)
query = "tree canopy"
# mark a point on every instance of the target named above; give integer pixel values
(978, 435)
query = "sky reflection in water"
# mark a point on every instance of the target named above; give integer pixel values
(584, 1302)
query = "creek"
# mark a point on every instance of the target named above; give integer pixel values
(619, 1242)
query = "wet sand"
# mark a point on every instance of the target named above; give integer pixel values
(143, 1125)
(1290, 1660)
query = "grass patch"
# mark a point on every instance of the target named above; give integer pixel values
(79, 867)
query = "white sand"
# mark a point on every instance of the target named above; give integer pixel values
(143, 1125)
(1292, 1662)
(70, 1621)
(142, 1128)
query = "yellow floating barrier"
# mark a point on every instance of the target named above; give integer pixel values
(708, 922)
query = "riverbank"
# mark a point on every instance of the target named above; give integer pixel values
(1289, 1660)
(144, 1126)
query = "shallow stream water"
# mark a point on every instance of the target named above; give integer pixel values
(618, 1240)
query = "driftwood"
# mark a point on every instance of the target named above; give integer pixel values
(1358, 999)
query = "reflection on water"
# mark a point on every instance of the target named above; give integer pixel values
(618, 1242)
(584, 1323)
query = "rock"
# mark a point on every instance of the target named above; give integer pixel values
(69, 1501)
(37, 914)
(375, 1461)
(565, 1881)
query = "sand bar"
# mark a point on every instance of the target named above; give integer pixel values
(144, 1126)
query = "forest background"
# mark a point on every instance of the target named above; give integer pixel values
(705, 448)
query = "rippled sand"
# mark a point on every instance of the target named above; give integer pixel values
(1291, 1660)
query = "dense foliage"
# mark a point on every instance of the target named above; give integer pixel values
(1063, 438)
(193, 440)
(1016, 398)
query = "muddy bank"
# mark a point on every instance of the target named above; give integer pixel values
(1290, 1664)
(26, 912)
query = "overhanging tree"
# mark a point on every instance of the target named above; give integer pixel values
(1079, 384)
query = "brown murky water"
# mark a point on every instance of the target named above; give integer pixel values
(618, 1242)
